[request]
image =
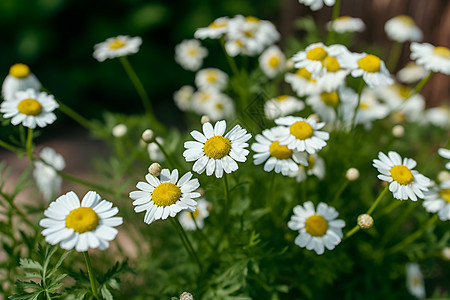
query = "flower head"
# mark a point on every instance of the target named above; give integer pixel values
(372, 69)
(445, 153)
(214, 30)
(404, 181)
(315, 166)
(317, 4)
(436, 59)
(302, 82)
(211, 78)
(165, 196)
(414, 280)
(47, 179)
(281, 106)
(345, 24)
(183, 97)
(113, 47)
(84, 225)
(411, 73)
(19, 78)
(437, 200)
(190, 54)
(402, 29)
(272, 61)
(215, 152)
(186, 218)
(318, 228)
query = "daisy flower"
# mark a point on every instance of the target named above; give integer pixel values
(183, 97)
(311, 58)
(201, 99)
(272, 61)
(445, 153)
(414, 280)
(190, 54)
(411, 73)
(318, 228)
(276, 157)
(404, 181)
(402, 29)
(437, 200)
(317, 4)
(438, 116)
(89, 224)
(220, 107)
(372, 69)
(166, 196)
(121, 45)
(30, 108)
(436, 59)
(19, 78)
(345, 24)
(211, 78)
(281, 106)
(47, 179)
(302, 134)
(215, 152)
(200, 214)
(325, 105)
(214, 30)
(315, 166)
(302, 82)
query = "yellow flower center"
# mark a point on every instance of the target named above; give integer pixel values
(342, 18)
(282, 98)
(401, 174)
(218, 24)
(217, 147)
(445, 194)
(301, 130)
(251, 19)
(317, 53)
(166, 194)
(249, 34)
(192, 52)
(204, 96)
(404, 91)
(364, 106)
(406, 20)
(219, 106)
(370, 63)
(29, 107)
(303, 73)
(330, 99)
(280, 151)
(311, 161)
(442, 52)
(116, 43)
(82, 219)
(274, 62)
(316, 225)
(239, 43)
(19, 70)
(331, 64)
(211, 76)
(193, 214)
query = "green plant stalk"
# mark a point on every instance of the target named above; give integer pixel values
(10, 202)
(412, 237)
(29, 144)
(394, 56)
(202, 236)
(166, 155)
(340, 191)
(187, 244)
(10, 147)
(91, 275)
(74, 115)
(230, 60)
(227, 198)
(360, 88)
(336, 11)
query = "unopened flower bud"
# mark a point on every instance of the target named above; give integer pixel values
(205, 119)
(119, 130)
(443, 176)
(148, 136)
(352, 174)
(398, 131)
(365, 221)
(155, 169)
(186, 296)
(314, 117)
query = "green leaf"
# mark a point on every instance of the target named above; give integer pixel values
(28, 285)
(31, 296)
(32, 275)
(54, 287)
(106, 293)
(30, 264)
(58, 264)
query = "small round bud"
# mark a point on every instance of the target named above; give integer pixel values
(443, 176)
(205, 119)
(155, 169)
(314, 117)
(290, 64)
(119, 130)
(365, 221)
(148, 136)
(398, 131)
(186, 296)
(352, 174)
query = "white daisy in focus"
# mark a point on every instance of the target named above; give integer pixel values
(438, 116)
(318, 228)
(311, 58)
(436, 59)
(121, 45)
(190, 54)
(315, 166)
(345, 24)
(281, 106)
(404, 181)
(89, 224)
(411, 73)
(277, 157)
(302, 82)
(183, 97)
(186, 218)
(166, 196)
(215, 152)
(372, 69)
(272, 61)
(302, 134)
(437, 200)
(214, 30)
(154, 152)
(219, 107)
(30, 108)
(47, 179)
(19, 78)
(317, 4)
(445, 153)
(414, 280)
(211, 78)
(402, 29)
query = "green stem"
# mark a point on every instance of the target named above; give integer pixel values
(336, 11)
(29, 144)
(394, 56)
(360, 88)
(166, 155)
(352, 232)
(340, 191)
(202, 236)
(10, 147)
(91, 275)
(412, 237)
(187, 244)
(227, 199)
(74, 115)
(230, 60)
